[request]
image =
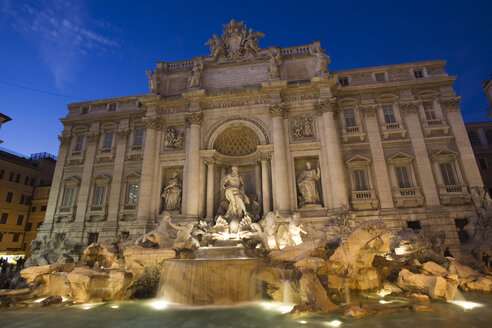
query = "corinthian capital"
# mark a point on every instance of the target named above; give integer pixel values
(152, 122)
(326, 106)
(278, 110)
(194, 118)
(450, 104)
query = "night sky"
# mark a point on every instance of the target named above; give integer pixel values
(57, 52)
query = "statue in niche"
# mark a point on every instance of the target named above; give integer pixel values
(303, 127)
(273, 64)
(196, 72)
(174, 139)
(306, 183)
(172, 194)
(254, 208)
(233, 185)
(153, 80)
(321, 62)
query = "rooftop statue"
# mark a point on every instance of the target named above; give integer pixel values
(236, 41)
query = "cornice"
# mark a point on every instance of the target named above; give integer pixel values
(104, 116)
(398, 84)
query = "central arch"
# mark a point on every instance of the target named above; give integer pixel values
(251, 129)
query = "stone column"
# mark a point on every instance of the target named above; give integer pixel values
(424, 169)
(467, 158)
(257, 180)
(210, 187)
(56, 184)
(223, 173)
(327, 110)
(77, 228)
(192, 179)
(116, 183)
(281, 195)
(265, 183)
(377, 152)
(147, 178)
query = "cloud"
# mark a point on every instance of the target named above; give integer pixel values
(63, 32)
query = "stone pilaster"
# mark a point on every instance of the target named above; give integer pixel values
(281, 194)
(192, 178)
(326, 110)
(210, 163)
(257, 166)
(467, 158)
(56, 183)
(153, 123)
(424, 169)
(377, 153)
(77, 228)
(116, 183)
(265, 183)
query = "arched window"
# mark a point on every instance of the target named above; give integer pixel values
(472, 135)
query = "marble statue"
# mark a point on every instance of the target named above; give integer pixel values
(273, 64)
(153, 81)
(295, 229)
(196, 72)
(251, 40)
(174, 139)
(306, 183)
(217, 46)
(184, 233)
(156, 237)
(321, 62)
(233, 185)
(269, 235)
(172, 194)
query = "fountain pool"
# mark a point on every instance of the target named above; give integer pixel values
(158, 313)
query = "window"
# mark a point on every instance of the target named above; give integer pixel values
(112, 107)
(93, 236)
(26, 181)
(418, 73)
(108, 140)
(389, 114)
(33, 209)
(380, 77)
(20, 219)
(448, 175)
(10, 195)
(17, 178)
(349, 115)
(474, 140)
(79, 143)
(68, 196)
(2, 172)
(4, 218)
(132, 195)
(15, 238)
(85, 110)
(343, 81)
(43, 208)
(23, 199)
(414, 225)
(430, 114)
(39, 224)
(483, 163)
(488, 135)
(403, 177)
(12, 176)
(360, 180)
(32, 182)
(1, 236)
(29, 226)
(99, 193)
(138, 138)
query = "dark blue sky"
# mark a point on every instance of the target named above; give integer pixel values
(100, 49)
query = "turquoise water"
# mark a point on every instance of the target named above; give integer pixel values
(149, 314)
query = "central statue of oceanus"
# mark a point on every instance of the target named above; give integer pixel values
(233, 186)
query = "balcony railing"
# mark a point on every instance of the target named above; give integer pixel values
(352, 129)
(362, 194)
(435, 122)
(392, 126)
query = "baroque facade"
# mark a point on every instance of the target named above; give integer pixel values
(385, 142)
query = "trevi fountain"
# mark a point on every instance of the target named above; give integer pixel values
(315, 245)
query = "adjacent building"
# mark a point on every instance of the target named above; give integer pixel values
(383, 142)
(20, 178)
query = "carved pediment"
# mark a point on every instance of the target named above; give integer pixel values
(400, 157)
(444, 155)
(358, 159)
